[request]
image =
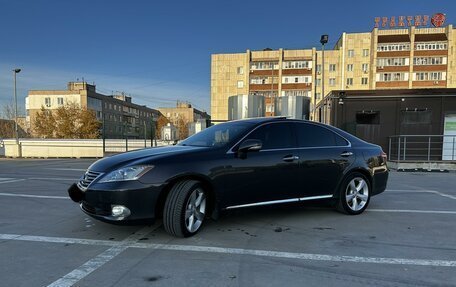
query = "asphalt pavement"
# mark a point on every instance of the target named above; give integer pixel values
(407, 237)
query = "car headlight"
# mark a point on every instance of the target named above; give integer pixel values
(126, 173)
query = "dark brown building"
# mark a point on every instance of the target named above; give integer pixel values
(376, 115)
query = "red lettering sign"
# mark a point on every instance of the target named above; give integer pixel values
(401, 21)
(393, 22)
(384, 21)
(417, 20)
(377, 21)
(425, 20)
(409, 21)
(438, 19)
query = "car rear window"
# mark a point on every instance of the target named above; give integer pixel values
(310, 135)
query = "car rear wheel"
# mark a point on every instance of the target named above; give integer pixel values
(354, 194)
(185, 208)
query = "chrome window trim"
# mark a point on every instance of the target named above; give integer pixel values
(261, 203)
(230, 151)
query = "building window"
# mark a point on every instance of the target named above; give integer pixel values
(365, 67)
(296, 79)
(332, 81)
(349, 81)
(430, 76)
(351, 53)
(418, 116)
(388, 77)
(318, 82)
(363, 81)
(365, 52)
(429, 61)
(393, 47)
(350, 67)
(295, 93)
(60, 101)
(47, 102)
(240, 84)
(332, 67)
(392, 62)
(296, 64)
(240, 70)
(431, 46)
(368, 118)
(264, 65)
(318, 96)
(318, 68)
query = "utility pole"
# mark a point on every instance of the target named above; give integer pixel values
(323, 41)
(15, 71)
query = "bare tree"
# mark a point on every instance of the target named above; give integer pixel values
(8, 111)
(182, 127)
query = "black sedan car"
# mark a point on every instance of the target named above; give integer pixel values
(236, 164)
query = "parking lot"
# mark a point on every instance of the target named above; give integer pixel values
(407, 237)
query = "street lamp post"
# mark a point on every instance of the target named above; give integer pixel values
(15, 71)
(323, 41)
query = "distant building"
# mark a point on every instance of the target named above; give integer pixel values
(120, 116)
(184, 111)
(196, 127)
(169, 132)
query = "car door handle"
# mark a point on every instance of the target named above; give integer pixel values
(347, 153)
(289, 158)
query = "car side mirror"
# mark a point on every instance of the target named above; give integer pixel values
(250, 145)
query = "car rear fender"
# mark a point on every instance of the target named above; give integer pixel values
(350, 170)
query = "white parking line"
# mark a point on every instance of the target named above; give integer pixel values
(33, 196)
(93, 264)
(234, 251)
(411, 211)
(12, 180)
(422, 191)
(70, 169)
(53, 178)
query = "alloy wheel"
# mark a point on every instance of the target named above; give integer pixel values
(195, 210)
(357, 194)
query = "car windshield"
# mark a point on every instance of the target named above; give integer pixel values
(218, 135)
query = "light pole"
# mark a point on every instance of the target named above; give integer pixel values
(15, 71)
(323, 41)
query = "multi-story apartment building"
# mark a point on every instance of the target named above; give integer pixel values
(184, 111)
(412, 57)
(120, 117)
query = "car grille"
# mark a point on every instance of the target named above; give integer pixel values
(87, 179)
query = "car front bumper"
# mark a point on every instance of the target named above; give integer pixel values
(140, 200)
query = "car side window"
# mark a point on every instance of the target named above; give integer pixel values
(274, 136)
(310, 135)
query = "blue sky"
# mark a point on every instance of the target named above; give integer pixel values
(159, 51)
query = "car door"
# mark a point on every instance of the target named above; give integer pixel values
(269, 174)
(324, 155)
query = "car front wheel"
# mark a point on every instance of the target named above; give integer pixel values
(354, 194)
(185, 208)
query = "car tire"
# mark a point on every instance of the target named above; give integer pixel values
(185, 208)
(354, 194)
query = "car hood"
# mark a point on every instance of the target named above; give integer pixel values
(139, 156)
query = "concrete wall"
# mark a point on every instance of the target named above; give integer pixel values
(68, 148)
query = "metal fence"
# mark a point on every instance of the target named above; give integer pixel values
(422, 148)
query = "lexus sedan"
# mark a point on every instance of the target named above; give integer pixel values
(237, 164)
